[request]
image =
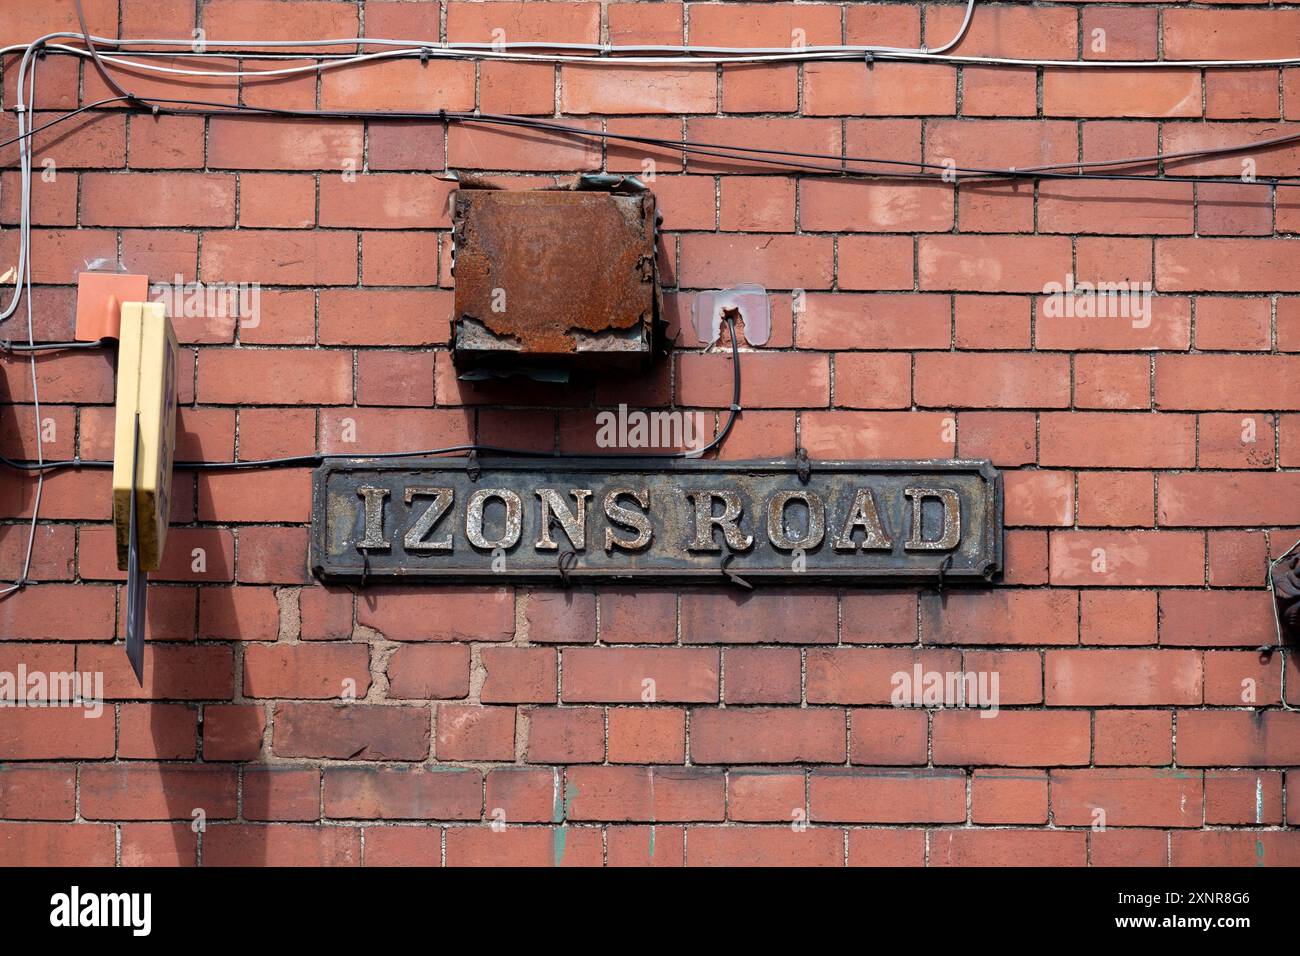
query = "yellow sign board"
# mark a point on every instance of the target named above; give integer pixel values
(146, 387)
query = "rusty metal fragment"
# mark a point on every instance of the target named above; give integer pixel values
(555, 278)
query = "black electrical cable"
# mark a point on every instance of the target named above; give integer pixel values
(99, 64)
(311, 461)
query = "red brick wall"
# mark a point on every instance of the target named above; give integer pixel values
(924, 334)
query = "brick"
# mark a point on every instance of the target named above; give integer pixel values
(862, 675)
(38, 792)
(520, 89)
(668, 794)
(601, 89)
(767, 617)
(522, 794)
(763, 795)
(384, 317)
(256, 142)
(55, 733)
(1039, 498)
(884, 89)
(647, 735)
(157, 732)
(1012, 739)
(1006, 31)
(1115, 207)
(1225, 265)
(351, 731)
(992, 380)
(1124, 677)
(1134, 558)
(873, 380)
(277, 201)
(1122, 92)
(1233, 848)
(762, 675)
(1216, 618)
(1116, 499)
(1132, 738)
(637, 616)
(59, 612)
(1208, 738)
(519, 675)
(1127, 33)
(157, 199)
(559, 617)
(248, 496)
(999, 847)
(837, 321)
(567, 22)
(775, 380)
(1117, 440)
(839, 435)
(438, 793)
(429, 671)
(565, 734)
(470, 732)
(283, 844)
(874, 263)
(686, 675)
(983, 144)
(1007, 616)
(1227, 34)
(888, 737)
(281, 793)
(768, 735)
(320, 671)
(773, 261)
(490, 147)
(156, 792)
(386, 201)
(886, 847)
(447, 614)
(764, 846)
(1226, 498)
(1243, 797)
(290, 257)
(887, 796)
(1009, 796)
(400, 258)
(991, 263)
(516, 846)
(171, 672)
(233, 732)
(159, 844)
(399, 85)
(1112, 382)
(1237, 558)
(852, 205)
(57, 844)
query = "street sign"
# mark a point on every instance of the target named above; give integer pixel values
(657, 520)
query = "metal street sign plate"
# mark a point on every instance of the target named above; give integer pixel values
(658, 520)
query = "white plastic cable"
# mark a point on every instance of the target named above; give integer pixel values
(25, 280)
(605, 54)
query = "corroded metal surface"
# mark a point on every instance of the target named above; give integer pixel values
(565, 277)
(661, 519)
(1285, 580)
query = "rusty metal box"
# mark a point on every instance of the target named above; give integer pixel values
(555, 278)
